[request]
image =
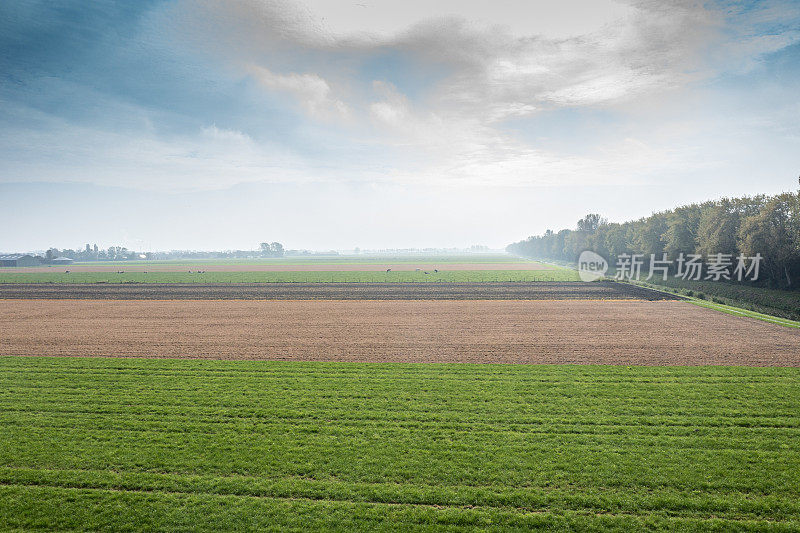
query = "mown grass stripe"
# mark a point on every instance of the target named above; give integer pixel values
(32, 508)
(430, 496)
(641, 446)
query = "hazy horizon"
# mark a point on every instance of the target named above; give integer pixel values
(333, 125)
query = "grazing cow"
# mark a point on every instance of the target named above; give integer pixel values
(436, 270)
(66, 271)
(388, 270)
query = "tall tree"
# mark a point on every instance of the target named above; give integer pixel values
(680, 236)
(775, 234)
(591, 222)
(648, 235)
(719, 228)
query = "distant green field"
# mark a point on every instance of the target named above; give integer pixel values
(330, 260)
(289, 277)
(113, 444)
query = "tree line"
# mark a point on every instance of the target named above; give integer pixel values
(90, 253)
(120, 253)
(747, 226)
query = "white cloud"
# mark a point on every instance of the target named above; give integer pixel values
(209, 158)
(499, 60)
(504, 118)
(393, 109)
(226, 136)
(386, 18)
(310, 90)
(447, 126)
(463, 150)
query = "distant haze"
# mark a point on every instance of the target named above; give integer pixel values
(383, 124)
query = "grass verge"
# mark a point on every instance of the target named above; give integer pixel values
(718, 305)
(731, 310)
(779, 303)
(770, 305)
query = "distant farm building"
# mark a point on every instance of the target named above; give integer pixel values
(18, 261)
(62, 261)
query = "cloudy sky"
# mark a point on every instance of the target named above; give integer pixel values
(376, 123)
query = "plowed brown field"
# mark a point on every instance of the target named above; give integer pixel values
(612, 332)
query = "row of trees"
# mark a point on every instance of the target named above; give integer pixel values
(766, 225)
(91, 253)
(120, 253)
(271, 249)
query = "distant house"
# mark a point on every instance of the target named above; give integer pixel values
(18, 261)
(62, 261)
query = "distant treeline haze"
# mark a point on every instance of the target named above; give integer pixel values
(766, 225)
(120, 253)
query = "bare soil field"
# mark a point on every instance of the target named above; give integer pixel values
(316, 267)
(566, 331)
(540, 290)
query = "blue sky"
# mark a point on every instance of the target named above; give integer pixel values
(322, 124)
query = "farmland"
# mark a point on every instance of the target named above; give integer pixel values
(296, 276)
(345, 269)
(200, 403)
(360, 259)
(172, 444)
(541, 290)
(258, 269)
(227, 265)
(425, 331)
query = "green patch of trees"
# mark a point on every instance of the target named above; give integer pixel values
(748, 226)
(120, 253)
(271, 249)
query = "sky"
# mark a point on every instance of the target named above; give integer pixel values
(327, 124)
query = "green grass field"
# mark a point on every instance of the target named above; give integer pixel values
(121, 444)
(290, 277)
